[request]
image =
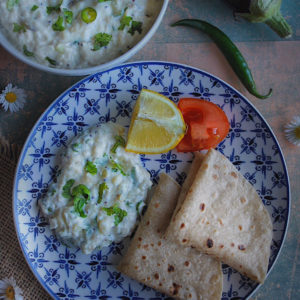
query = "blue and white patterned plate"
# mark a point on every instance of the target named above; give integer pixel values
(66, 273)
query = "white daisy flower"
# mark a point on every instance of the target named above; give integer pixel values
(9, 290)
(12, 98)
(292, 131)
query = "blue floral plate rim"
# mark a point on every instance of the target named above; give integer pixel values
(135, 64)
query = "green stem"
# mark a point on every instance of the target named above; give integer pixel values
(279, 25)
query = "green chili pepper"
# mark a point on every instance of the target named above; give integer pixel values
(88, 15)
(230, 51)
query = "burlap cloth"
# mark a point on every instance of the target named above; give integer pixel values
(12, 261)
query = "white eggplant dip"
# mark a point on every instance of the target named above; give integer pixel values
(73, 34)
(100, 191)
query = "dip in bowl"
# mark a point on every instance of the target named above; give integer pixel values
(100, 190)
(78, 37)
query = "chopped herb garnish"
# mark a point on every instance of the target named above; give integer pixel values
(101, 40)
(56, 8)
(53, 191)
(82, 190)
(51, 61)
(59, 24)
(117, 167)
(75, 147)
(103, 1)
(34, 7)
(79, 202)
(81, 195)
(67, 189)
(133, 175)
(119, 142)
(27, 52)
(135, 26)
(118, 213)
(90, 168)
(11, 3)
(68, 14)
(124, 21)
(102, 187)
(19, 28)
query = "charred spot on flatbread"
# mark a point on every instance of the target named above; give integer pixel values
(233, 174)
(186, 263)
(210, 243)
(171, 268)
(241, 247)
(202, 206)
(175, 289)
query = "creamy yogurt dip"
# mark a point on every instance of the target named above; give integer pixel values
(100, 191)
(76, 34)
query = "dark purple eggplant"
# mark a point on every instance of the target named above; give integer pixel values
(263, 11)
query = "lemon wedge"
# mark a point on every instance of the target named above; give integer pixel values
(156, 125)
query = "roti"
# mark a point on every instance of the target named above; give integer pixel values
(222, 215)
(178, 271)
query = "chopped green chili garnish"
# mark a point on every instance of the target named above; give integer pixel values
(90, 168)
(119, 142)
(19, 28)
(102, 187)
(88, 15)
(67, 189)
(101, 40)
(118, 213)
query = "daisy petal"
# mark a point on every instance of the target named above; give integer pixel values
(12, 98)
(292, 131)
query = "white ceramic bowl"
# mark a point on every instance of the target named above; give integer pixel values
(85, 71)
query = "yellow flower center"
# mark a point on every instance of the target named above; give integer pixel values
(10, 293)
(11, 97)
(297, 132)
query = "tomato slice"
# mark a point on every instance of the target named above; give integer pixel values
(207, 124)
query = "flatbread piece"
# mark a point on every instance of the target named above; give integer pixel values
(222, 215)
(181, 272)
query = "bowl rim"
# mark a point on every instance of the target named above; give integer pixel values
(7, 45)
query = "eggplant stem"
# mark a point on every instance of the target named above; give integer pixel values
(278, 23)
